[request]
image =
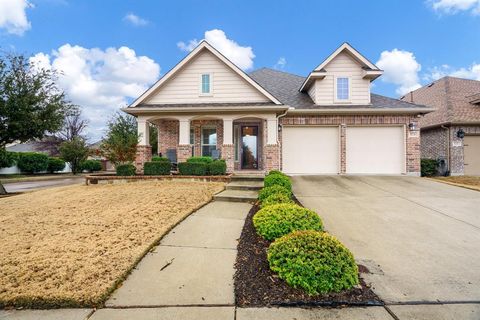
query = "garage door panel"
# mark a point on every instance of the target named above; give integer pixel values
(310, 150)
(375, 150)
(471, 149)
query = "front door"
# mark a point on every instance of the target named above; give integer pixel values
(249, 145)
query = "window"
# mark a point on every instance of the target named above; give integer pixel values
(209, 140)
(192, 139)
(205, 85)
(343, 90)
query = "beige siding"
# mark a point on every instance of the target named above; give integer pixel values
(228, 86)
(343, 65)
(312, 92)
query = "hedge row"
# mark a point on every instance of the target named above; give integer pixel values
(302, 254)
(202, 166)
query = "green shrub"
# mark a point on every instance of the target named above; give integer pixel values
(126, 170)
(206, 160)
(192, 168)
(55, 164)
(156, 168)
(217, 168)
(162, 159)
(314, 261)
(32, 162)
(7, 158)
(278, 179)
(277, 220)
(428, 167)
(268, 191)
(276, 172)
(276, 198)
(91, 165)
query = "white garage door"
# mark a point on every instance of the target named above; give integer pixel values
(376, 150)
(310, 150)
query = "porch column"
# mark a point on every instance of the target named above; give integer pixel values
(184, 150)
(144, 150)
(227, 147)
(272, 149)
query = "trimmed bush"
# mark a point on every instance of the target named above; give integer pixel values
(126, 170)
(7, 158)
(206, 160)
(32, 162)
(276, 198)
(268, 191)
(192, 168)
(217, 168)
(277, 220)
(156, 168)
(55, 164)
(276, 172)
(91, 165)
(160, 159)
(313, 261)
(278, 179)
(428, 167)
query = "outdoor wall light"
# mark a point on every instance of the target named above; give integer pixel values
(279, 127)
(460, 133)
(412, 126)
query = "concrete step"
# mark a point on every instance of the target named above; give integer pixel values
(245, 185)
(237, 196)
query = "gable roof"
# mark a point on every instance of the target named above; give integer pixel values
(285, 86)
(371, 70)
(204, 45)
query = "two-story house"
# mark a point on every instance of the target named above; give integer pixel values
(326, 123)
(452, 132)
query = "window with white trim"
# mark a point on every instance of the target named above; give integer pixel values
(209, 140)
(206, 85)
(343, 88)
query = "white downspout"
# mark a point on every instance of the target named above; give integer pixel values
(278, 141)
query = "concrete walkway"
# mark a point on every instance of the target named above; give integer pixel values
(42, 184)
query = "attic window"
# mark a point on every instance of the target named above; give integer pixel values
(205, 85)
(343, 89)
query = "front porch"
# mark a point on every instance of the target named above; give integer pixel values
(247, 142)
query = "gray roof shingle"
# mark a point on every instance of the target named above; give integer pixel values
(285, 87)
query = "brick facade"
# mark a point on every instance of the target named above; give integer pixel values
(228, 154)
(144, 154)
(184, 151)
(412, 139)
(272, 157)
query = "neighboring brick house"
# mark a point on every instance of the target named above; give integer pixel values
(457, 104)
(326, 123)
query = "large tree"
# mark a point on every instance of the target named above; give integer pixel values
(31, 104)
(120, 142)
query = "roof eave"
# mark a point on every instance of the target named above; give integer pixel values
(150, 110)
(363, 111)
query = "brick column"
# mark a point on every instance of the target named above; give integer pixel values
(413, 152)
(184, 151)
(229, 156)
(272, 157)
(144, 154)
(343, 148)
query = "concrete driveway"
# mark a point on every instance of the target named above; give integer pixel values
(419, 238)
(23, 186)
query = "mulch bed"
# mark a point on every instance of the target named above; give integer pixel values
(256, 285)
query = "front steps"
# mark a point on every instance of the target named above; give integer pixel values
(242, 188)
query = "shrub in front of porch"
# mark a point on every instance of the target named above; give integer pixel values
(125, 170)
(314, 261)
(276, 198)
(276, 172)
(205, 160)
(192, 169)
(277, 220)
(157, 168)
(265, 192)
(278, 179)
(217, 168)
(160, 159)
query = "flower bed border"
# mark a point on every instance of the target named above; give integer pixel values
(110, 179)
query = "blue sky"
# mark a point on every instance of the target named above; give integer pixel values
(414, 41)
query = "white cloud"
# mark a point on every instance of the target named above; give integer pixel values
(281, 63)
(13, 16)
(472, 72)
(400, 68)
(454, 6)
(241, 56)
(100, 81)
(135, 20)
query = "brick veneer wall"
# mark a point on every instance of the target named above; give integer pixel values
(412, 139)
(144, 154)
(456, 147)
(167, 135)
(434, 143)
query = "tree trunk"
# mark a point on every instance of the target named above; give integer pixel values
(2, 189)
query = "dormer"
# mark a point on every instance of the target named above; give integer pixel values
(342, 79)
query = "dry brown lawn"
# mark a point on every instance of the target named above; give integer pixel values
(71, 246)
(468, 181)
